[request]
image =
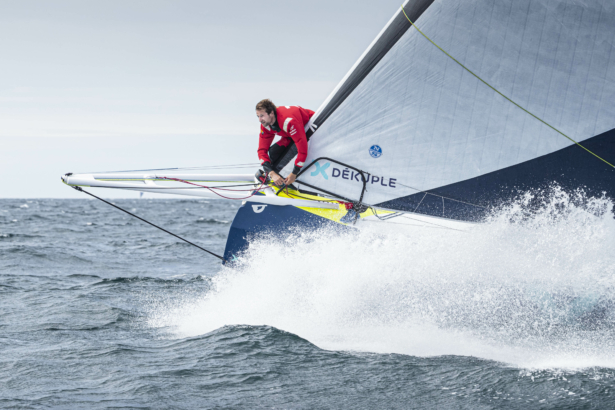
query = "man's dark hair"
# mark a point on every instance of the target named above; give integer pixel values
(266, 105)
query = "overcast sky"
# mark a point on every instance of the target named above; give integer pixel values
(111, 85)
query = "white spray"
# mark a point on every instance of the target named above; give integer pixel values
(534, 288)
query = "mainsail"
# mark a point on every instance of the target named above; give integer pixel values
(435, 139)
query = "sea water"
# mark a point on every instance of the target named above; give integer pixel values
(99, 310)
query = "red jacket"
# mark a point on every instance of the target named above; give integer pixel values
(292, 121)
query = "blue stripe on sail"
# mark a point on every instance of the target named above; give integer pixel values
(570, 168)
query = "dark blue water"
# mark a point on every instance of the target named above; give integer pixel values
(98, 310)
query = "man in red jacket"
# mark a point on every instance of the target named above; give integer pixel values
(289, 123)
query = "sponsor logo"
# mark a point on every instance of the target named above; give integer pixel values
(285, 126)
(351, 175)
(369, 178)
(321, 170)
(258, 208)
(375, 151)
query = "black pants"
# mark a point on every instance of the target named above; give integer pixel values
(280, 156)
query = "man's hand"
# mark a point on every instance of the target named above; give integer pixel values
(278, 180)
(291, 178)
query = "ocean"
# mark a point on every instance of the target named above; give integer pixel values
(99, 310)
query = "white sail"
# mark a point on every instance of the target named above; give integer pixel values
(418, 121)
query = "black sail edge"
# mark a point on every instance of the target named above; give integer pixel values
(398, 26)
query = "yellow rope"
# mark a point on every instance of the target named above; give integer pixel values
(494, 89)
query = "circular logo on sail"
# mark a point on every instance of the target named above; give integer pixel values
(375, 151)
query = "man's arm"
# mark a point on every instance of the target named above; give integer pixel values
(297, 133)
(264, 143)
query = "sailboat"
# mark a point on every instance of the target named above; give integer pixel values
(454, 108)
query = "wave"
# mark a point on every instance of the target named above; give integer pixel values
(29, 251)
(144, 279)
(212, 221)
(18, 235)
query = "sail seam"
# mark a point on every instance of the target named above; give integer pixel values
(420, 202)
(440, 196)
(505, 97)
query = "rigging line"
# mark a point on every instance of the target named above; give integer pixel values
(177, 169)
(230, 186)
(417, 207)
(441, 196)
(211, 188)
(222, 196)
(162, 188)
(494, 89)
(190, 187)
(417, 225)
(299, 196)
(413, 219)
(323, 194)
(147, 222)
(407, 186)
(295, 196)
(391, 216)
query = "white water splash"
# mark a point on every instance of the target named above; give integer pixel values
(535, 289)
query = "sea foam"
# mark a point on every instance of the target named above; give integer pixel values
(532, 286)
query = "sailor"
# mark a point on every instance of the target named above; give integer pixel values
(289, 123)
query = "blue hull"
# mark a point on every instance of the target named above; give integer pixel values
(254, 219)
